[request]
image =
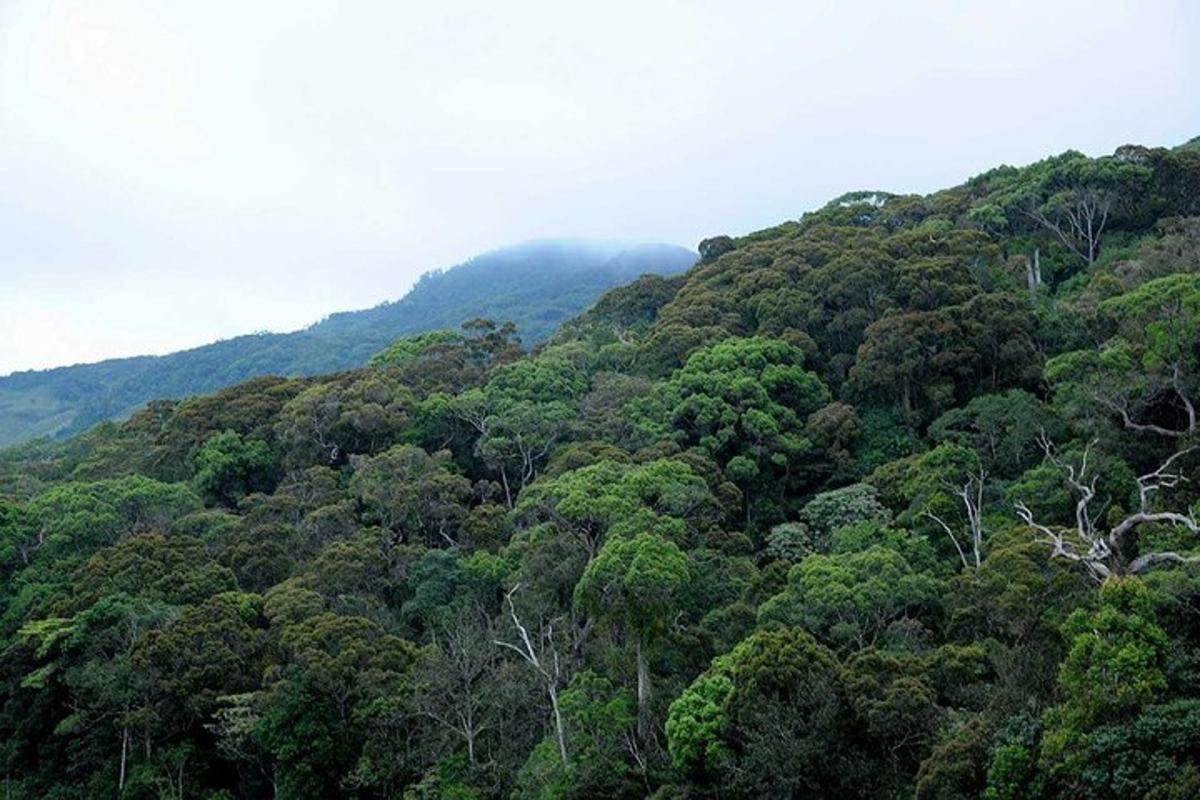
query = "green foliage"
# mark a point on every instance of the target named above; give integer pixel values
(664, 496)
(790, 541)
(884, 438)
(696, 722)
(1012, 774)
(837, 508)
(917, 359)
(634, 580)
(535, 286)
(227, 467)
(600, 719)
(743, 402)
(695, 546)
(849, 600)
(325, 424)
(413, 493)
(777, 699)
(1002, 428)
(1116, 658)
(1147, 757)
(956, 766)
(1115, 666)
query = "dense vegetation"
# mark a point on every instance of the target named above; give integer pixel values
(897, 500)
(536, 285)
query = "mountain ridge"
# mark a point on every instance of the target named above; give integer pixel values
(544, 282)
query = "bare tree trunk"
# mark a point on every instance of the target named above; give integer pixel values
(559, 728)
(124, 759)
(971, 495)
(544, 659)
(643, 690)
(1033, 270)
(507, 491)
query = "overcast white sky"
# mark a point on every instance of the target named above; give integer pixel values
(175, 172)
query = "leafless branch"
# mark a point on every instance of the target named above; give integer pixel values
(1099, 550)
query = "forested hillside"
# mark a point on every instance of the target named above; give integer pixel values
(535, 285)
(897, 500)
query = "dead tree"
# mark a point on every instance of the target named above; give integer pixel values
(1077, 219)
(1033, 270)
(457, 689)
(970, 494)
(1089, 542)
(543, 657)
(1120, 405)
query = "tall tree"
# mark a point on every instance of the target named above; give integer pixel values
(633, 582)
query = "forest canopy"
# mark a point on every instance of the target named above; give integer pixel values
(898, 499)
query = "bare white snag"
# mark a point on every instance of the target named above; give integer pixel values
(970, 493)
(1078, 222)
(459, 698)
(1100, 550)
(543, 657)
(1033, 270)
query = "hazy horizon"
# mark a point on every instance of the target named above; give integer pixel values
(171, 175)
(616, 244)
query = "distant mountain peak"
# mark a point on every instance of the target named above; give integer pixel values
(536, 284)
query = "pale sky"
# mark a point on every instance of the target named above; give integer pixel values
(174, 172)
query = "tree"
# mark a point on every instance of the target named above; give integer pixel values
(456, 681)
(525, 410)
(91, 657)
(413, 494)
(895, 696)
(227, 467)
(1003, 336)
(769, 719)
(918, 358)
(591, 502)
(601, 719)
(213, 648)
(850, 599)
(790, 541)
(744, 402)
(1115, 666)
(542, 655)
(1104, 545)
(1003, 429)
(1076, 199)
(1162, 321)
(1146, 376)
(956, 767)
(356, 413)
(168, 569)
(335, 673)
(970, 492)
(1151, 756)
(714, 247)
(449, 361)
(849, 505)
(945, 486)
(72, 519)
(632, 582)
(697, 721)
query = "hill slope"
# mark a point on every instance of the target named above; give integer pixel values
(900, 499)
(535, 285)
